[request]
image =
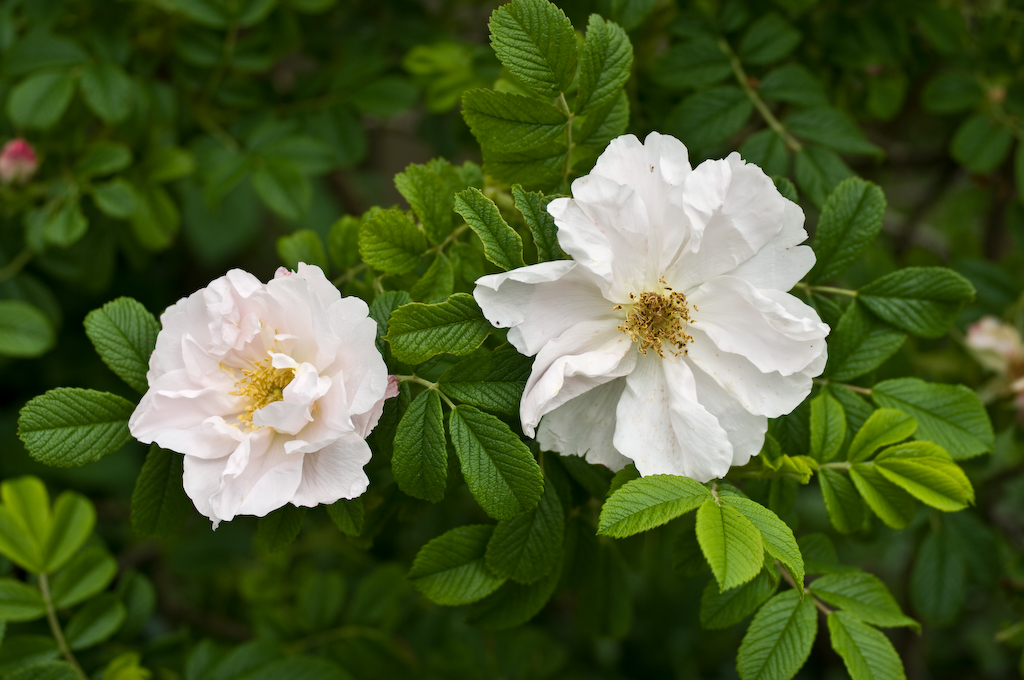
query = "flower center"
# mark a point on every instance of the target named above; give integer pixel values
(657, 321)
(263, 384)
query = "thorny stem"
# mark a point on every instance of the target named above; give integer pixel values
(744, 80)
(852, 388)
(11, 269)
(426, 383)
(826, 289)
(792, 582)
(58, 634)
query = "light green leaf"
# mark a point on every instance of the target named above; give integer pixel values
(857, 408)
(124, 335)
(169, 163)
(40, 100)
(343, 242)
(818, 171)
(502, 245)
(514, 604)
(107, 90)
(850, 221)
(95, 622)
(928, 473)
(509, 122)
(938, 580)
(303, 245)
(981, 143)
(437, 284)
(417, 331)
(794, 84)
(843, 504)
(103, 158)
(921, 300)
(86, 574)
(159, 504)
(860, 344)
(535, 40)
(777, 536)
(779, 639)
(66, 225)
(420, 459)
(69, 426)
(20, 601)
(893, 505)
(280, 528)
(282, 187)
(692, 64)
(493, 381)
(710, 116)
(116, 198)
(73, 520)
(25, 331)
(950, 415)
(886, 426)
(731, 544)
(768, 39)
(605, 62)
(429, 197)
(535, 169)
(648, 502)
(450, 569)
(527, 547)
(390, 242)
(25, 521)
(533, 206)
(499, 469)
(830, 128)
(862, 596)
(828, 427)
(867, 653)
(724, 609)
(348, 515)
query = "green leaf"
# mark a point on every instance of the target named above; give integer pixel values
(928, 473)
(830, 128)
(103, 158)
(390, 242)
(282, 187)
(25, 331)
(599, 128)
(793, 84)
(95, 622)
(493, 381)
(124, 335)
(159, 504)
(27, 651)
(280, 528)
(603, 604)
(950, 415)
(25, 521)
(828, 427)
(502, 245)
(860, 344)
(886, 426)
(348, 515)
(538, 168)
(626, 474)
(420, 459)
(40, 100)
(509, 122)
(20, 601)
(535, 41)
(343, 242)
(818, 171)
(107, 90)
(710, 116)
(429, 197)
(69, 426)
(605, 61)
(73, 520)
(850, 221)
(893, 505)
(858, 410)
(867, 653)
(450, 569)
(303, 245)
(648, 502)
(417, 331)
(499, 469)
(169, 163)
(514, 604)
(527, 547)
(938, 580)
(768, 40)
(951, 92)
(66, 225)
(862, 596)
(47, 670)
(779, 639)
(380, 311)
(533, 206)
(437, 284)
(724, 609)
(319, 600)
(300, 668)
(116, 198)
(921, 300)
(767, 150)
(156, 220)
(981, 143)
(776, 535)
(692, 64)
(731, 544)
(843, 504)
(87, 573)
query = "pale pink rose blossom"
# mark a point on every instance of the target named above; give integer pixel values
(18, 162)
(669, 339)
(998, 347)
(268, 389)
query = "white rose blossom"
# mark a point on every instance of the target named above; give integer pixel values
(268, 389)
(669, 339)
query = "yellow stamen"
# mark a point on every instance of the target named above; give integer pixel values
(657, 321)
(263, 384)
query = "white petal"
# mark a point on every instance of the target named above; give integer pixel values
(774, 330)
(745, 429)
(202, 480)
(357, 361)
(781, 262)
(585, 426)
(649, 168)
(585, 356)
(661, 426)
(334, 472)
(540, 302)
(258, 480)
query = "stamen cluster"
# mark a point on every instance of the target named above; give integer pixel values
(264, 385)
(657, 321)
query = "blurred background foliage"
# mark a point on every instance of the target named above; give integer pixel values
(179, 138)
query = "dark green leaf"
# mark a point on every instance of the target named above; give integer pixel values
(649, 502)
(69, 426)
(605, 62)
(725, 609)
(417, 331)
(850, 221)
(509, 122)
(818, 171)
(860, 344)
(40, 100)
(867, 653)
(767, 150)
(695, 63)
(981, 143)
(282, 187)
(779, 639)
(793, 84)
(107, 90)
(450, 569)
(429, 197)
(768, 39)
(938, 581)
(95, 622)
(535, 41)
(921, 300)
(514, 604)
(124, 335)
(844, 506)
(280, 528)
(710, 116)
(502, 245)
(862, 596)
(87, 573)
(347, 515)
(420, 459)
(437, 283)
(390, 242)
(831, 128)
(828, 427)
(159, 504)
(25, 331)
(493, 381)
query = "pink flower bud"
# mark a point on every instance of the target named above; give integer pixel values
(392, 388)
(18, 162)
